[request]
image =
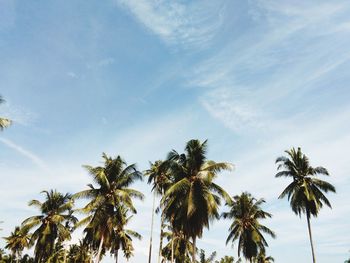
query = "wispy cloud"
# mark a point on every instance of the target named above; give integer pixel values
(26, 153)
(284, 55)
(226, 106)
(191, 24)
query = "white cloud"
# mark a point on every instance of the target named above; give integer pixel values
(226, 106)
(295, 48)
(174, 22)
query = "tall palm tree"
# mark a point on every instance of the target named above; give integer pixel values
(306, 192)
(159, 177)
(53, 224)
(246, 213)
(193, 200)
(113, 190)
(3, 121)
(17, 241)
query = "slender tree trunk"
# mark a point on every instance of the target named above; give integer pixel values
(98, 256)
(172, 248)
(116, 256)
(161, 239)
(150, 240)
(194, 250)
(310, 235)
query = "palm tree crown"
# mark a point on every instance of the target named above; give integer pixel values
(306, 191)
(246, 228)
(53, 225)
(17, 241)
(108, 199)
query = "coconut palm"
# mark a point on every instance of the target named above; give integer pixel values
(122, 237)
(79, 253)
(53, 224)
(262, 258)
(3, 121)
(306, 192)
(204, 259)
(246, 213)
(159, 177)
(17, 242)
(59, 254)
(226, 259)
(193, 200)
(178, 249)
(113, 190)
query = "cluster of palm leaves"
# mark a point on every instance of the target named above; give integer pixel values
(4, 122)
(190, 200)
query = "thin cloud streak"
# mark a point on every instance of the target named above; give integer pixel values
(26, 153)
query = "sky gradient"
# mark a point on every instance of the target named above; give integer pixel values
(141, 77)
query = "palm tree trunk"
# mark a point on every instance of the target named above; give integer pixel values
(310, 235)
(98, 256)
(172, 248)
(194, 250)
(150, 241)
(116, 256)
(161, 239)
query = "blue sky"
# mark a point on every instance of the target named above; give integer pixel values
(141, 77)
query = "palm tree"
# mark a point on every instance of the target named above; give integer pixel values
(53, 224)
(178, 249)
(262, 258)
(226, 259)
(159, 176)
(79, 253)
(306, 192)
(246, 228)
(3, 121)
(204, 259)
(59, 254)
(122, 237)
(193, 200)
(17, 242)
(112, 192)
